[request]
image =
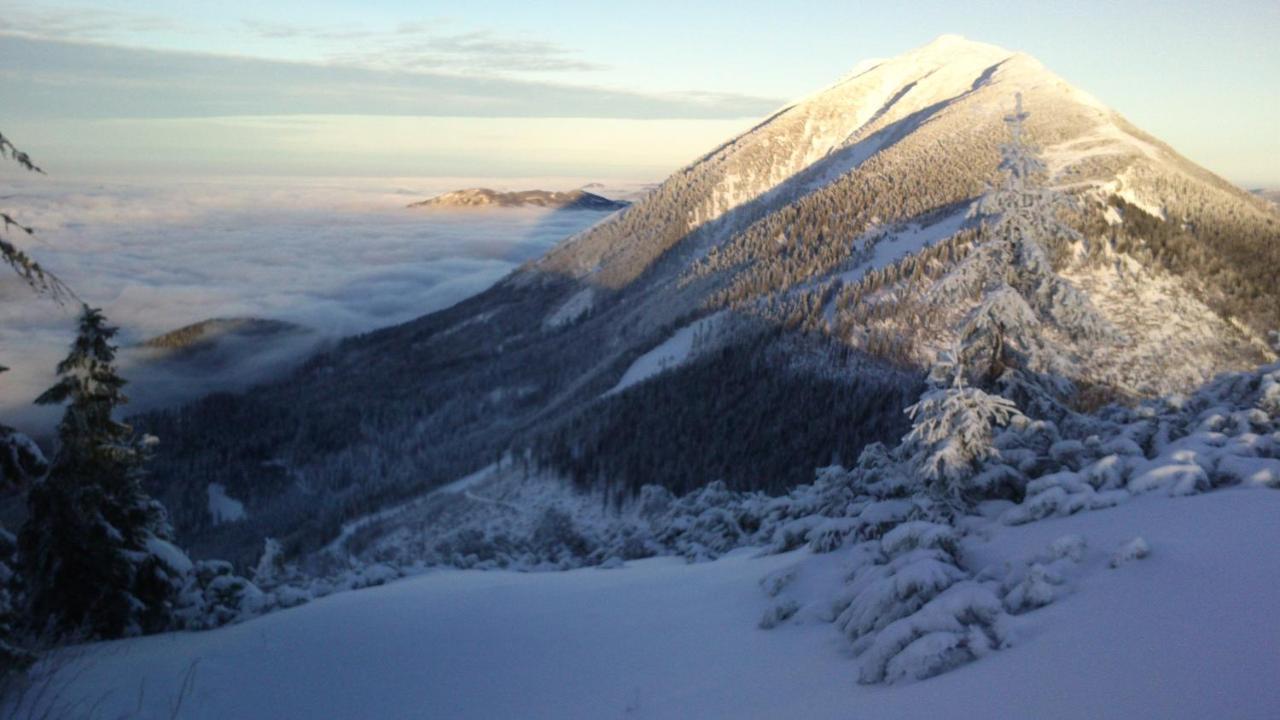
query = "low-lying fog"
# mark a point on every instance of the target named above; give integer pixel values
(337, 256)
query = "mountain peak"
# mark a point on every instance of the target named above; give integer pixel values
(951, 40)
(952, 45)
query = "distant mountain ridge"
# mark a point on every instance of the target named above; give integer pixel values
(214, 355)
(202, 335)
(774, 307)
(485, 197)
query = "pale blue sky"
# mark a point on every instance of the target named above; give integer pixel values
(276, 87)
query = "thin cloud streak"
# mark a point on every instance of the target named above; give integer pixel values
(84, 24)
(420, 46)
(63, 80)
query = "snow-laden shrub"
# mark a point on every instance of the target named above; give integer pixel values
(555, 536)
(1037, 588)
(883, 593)
(215, 596)
(1177, 478)
(920, 535)
(951, 446)
(1249, 470)
(1040, 580)
(915, 562)
(958, 625)
(791, 534)
(778, 613)
(910, 610)
(628, 541)
(880, 474)
(1060, 494)
(654, 501)
(1107, 473)
(1269, 394)
(775, 582)
(1135, 549)
(831, 534)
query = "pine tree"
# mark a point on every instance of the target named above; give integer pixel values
(21, 464)
(13, 653)
(1024, 229)
(951, 440)
(1012, 272)
(94, 550)
(20, 459)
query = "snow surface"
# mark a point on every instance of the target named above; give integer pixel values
(1105, 139)
(461, 485)
(1189, 631)
(671, 353)
(222, 507)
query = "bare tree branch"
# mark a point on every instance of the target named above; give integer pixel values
(39, 279)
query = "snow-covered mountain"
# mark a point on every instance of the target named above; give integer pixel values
(899, 149)
(938, 366)
(766, 310)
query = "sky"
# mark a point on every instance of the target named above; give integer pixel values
(583, 88)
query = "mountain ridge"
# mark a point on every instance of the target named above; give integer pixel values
(485, 197)
(817, 237)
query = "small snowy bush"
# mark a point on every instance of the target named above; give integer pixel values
(215, 596)
(1135, 549)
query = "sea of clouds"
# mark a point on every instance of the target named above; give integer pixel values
(338, 256)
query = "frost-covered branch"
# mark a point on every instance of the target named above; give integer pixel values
(32, 273)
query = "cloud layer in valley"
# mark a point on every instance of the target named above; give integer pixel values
(339, 257)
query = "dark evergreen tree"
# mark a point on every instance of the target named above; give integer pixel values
(94, 549)
(13, 652)
(21, 461)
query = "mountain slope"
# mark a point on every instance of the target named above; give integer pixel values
(817, 241)
(1184, 633)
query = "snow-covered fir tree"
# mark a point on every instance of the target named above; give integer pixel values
(95, 550)
(999, 346)
(1013, 272)
(951, 443)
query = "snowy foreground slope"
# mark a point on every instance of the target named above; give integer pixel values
(1189, 631)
